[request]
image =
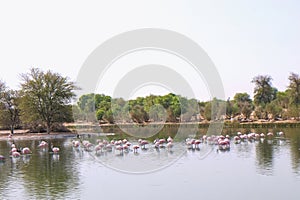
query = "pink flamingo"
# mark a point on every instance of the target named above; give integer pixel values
(87, 145)
(105, 142)
(169, 146)
(99, 147)
(16, 154)
(281, 133)
(14, 149)
(125, 147)
(119, 148)
(43, 144)
(189, 143)
(76, 143)
(109, 147)
(2, 158)
(224, 144)
(169, 139)
(162, 141)
(197, 143)
(156, 145)
(270, 134)
(26, 150)
(119, 142)
(55, 150)
(135, 148)
(237, 139)
(143, 143)
(204, 137)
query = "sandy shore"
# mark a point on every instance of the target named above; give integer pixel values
(25, 135)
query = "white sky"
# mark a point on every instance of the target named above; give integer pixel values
(243, 38)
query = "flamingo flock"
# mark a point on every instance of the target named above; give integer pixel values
(121, 146)
(25, 151)
(16, 153)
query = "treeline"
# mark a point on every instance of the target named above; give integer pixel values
(268, 104)
(44, 103)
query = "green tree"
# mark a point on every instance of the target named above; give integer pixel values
(264, 93)
(244, 104)
(157, 113)
(87, 105)
(282, 99)
(215, 109)
(294, 112)
(231, 108)
(2, 87)
(138, 114)
(201, 105)
(280, 104)
(294, 89)
(208, 111)
(10, 113)
(45, 95)
(274, 109)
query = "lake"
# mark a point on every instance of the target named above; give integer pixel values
(266, 168)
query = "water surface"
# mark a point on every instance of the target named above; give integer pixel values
(264, 169)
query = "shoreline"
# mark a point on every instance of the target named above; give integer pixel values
(21, 134)
(25, 135)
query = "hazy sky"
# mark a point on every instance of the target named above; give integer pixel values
(243, 38)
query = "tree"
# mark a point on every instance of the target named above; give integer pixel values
(215, 109)
(208, 111)
(264, 93)
(2, 87)
(45, 96)
(232, 109)
(138, 114)
(282, 99)
(87, 105)
(10, 112)
(294, 89)
(273, 109)
(281, 104)
(244, 104)
(294, 112)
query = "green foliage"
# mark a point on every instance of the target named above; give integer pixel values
(9, 112)
(294, 112)
(157, 113)
(138, 114)
(243, 104)
(282, 99)
(294, 89)
(86, 103)
(264, 93)
(274, 109)
(207, 111)
(9, 107)
(45, 96)
(215, 109)
(93, 107)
